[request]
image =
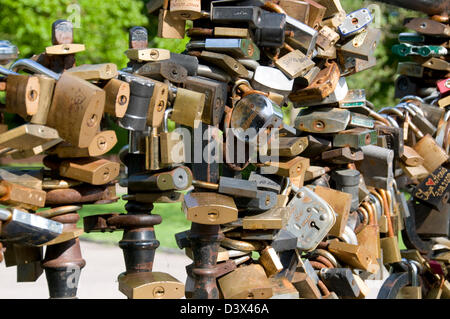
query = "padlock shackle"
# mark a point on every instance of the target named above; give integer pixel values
(430, 7)
(33, 66)
(5, 71)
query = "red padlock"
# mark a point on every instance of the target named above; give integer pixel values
(444, 86)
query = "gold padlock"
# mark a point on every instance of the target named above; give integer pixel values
(152, 162)
(391, 250)
(148, 55)
(246, 282)
(22, 95)
(432, 154)
(289, 146)
(47, 86)
(186, 9)
(169, 27)
(188, 108)
(158, 104)
(305, 286)
(76, 110)
(270, 261)
(353, 255)
(210, 208)
(150, 285)
(31, 179)
(21, 154)
(89, 72)
(102, 143)
(65, 49)
(90, 170)
(294, 64)
(27, 136)
(21, 196)
(117, 98)
(341, 203)
(171, 145)
(410, 157)
(294, 167)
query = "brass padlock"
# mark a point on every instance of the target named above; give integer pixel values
(294, 64)
(418, 172)
(22, 95)
(76, 110)
(179, 178)
(306, 286)
(298, 10)
(316, 14)
(391, 250)
(152, 154)
(21, 154)
(89, 72)
(21, 196)
(270, 261)
(210, 208)
(16, 254)
(410, 157)
(283, 289)
(90, 170)
(363, 45)
(171, 144)
(102, 143)
(158, 104)
(47, 86)
(294, 167)
(148, 55)
(186, 9)
(65, 49)
(353, 255)
(432, 154)
(341, 203)
(169, 27)
(246, 282)
(117, 97)
(275, 218)
(289, 146)
(27, 136)
(188, 108)
(150, 285)
(27, 178)
(327, 38)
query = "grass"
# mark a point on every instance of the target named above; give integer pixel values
(173, 221)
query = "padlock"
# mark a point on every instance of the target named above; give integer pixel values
(339, 93)
(355, 22)
(311, 219)
(414, 291)
(188, 99)
(158, 104)
(90, 170)
(272, 80)
(27, 136)
(231, 186)
(47, 86)
(292, 168)
(275, 218)
(65, 49)
(270, 261)
(29, 272)
(363, 45)
(326, 120)
(294, 64)
(237, 48)
(305, 286)
(264, 182)
(90, 72)
(323, 85)
(314, 172)
(22, 95)
(150, 285)
(308, 78)
(341, 281)
(428, 27)
(340, 202)
(353, 255)
(117, 97)
(169, 27)
(299, 10)
(390, 248)
(327, 38)
(411, 37)
(415, 172)
(282, 288)
(209, 208)
(410, 69)
(355, 138)
(27, 178)
(102, 143)
(179, 178)
(21, 196)
(405, 49)
(246, 282)
(171, 145)
(76, 110)
(431, 222)
(410, 157)
(21, 154)
(147, 55)
(226, 63)
(264, 201)
(433, 155)
(437, 64)
(344, 155)
(215, 97)
(316, 13)
(434, 190)
(164, 70)
(21, 227)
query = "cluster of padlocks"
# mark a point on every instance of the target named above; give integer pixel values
(308, 208)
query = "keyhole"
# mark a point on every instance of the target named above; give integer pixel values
(313, 225)
(158, 292)
(123, 100)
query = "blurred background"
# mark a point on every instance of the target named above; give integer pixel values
(103, 27)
